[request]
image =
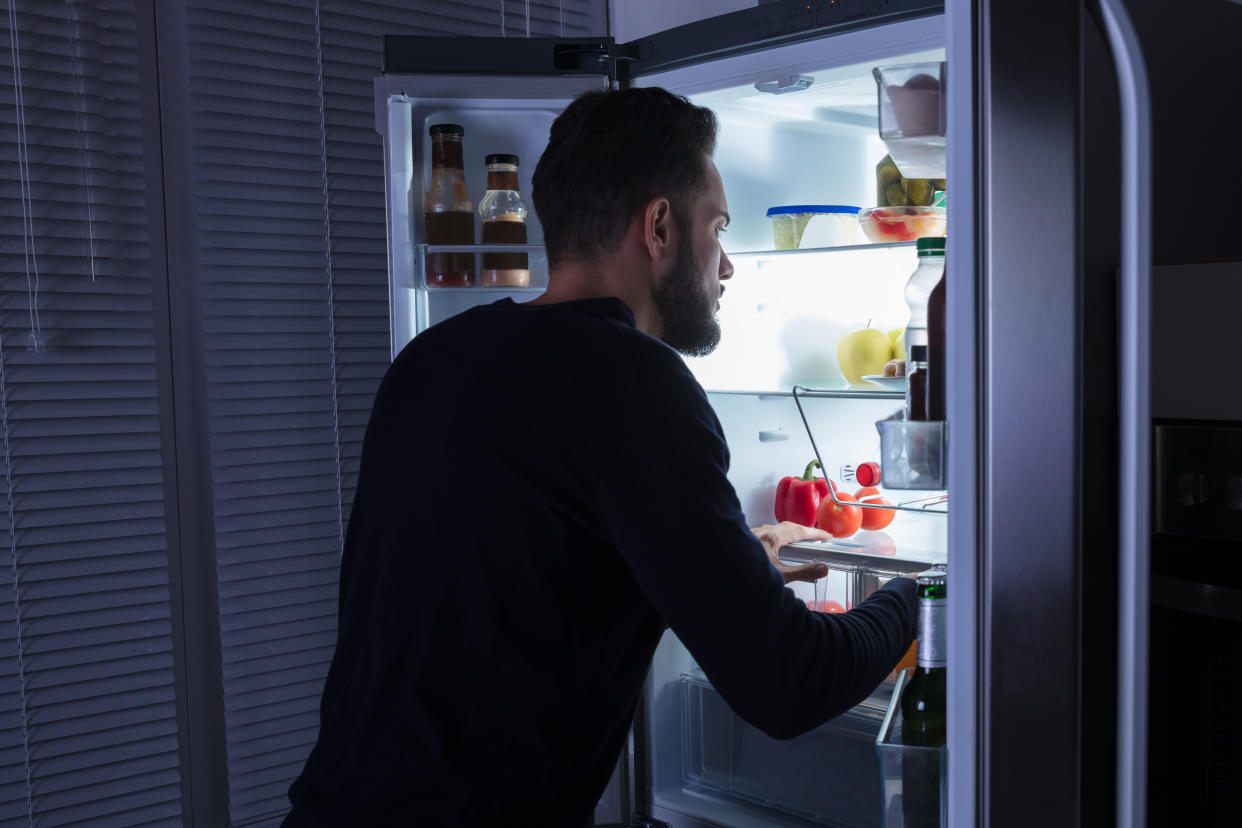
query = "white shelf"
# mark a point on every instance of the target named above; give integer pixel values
(845, 552)
(500, 290)
(845, 392)
(819, 251)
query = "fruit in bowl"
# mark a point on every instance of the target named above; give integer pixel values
(900, 224)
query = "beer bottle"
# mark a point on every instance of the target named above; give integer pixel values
(923, 709)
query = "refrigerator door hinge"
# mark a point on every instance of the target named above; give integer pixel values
(604, 55)
(623, 55)
(582, 56)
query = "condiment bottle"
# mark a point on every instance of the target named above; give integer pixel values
(448, 210)
(504, 222)
(918, 292)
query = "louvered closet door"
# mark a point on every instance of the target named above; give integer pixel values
(88, 729)
(292, 283)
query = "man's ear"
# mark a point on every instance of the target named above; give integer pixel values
(657, 228)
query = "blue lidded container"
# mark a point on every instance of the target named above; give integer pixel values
(801, 226)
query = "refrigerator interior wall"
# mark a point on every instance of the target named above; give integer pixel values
(499, 115)
(781, 315)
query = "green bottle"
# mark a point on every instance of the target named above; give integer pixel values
(924, 723)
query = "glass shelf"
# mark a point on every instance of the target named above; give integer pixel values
(482, 248)
(856, 552)
(844, 392)
(497, 289)
(819, 251)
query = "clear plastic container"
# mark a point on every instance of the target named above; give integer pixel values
(724, 754)
(898, 762)
(799, 226)
(913, 455)
(901, 224)
(912, 117)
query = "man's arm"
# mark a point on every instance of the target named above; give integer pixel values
(666, 502)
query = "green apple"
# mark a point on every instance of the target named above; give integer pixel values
(898, 338)
(863, 352)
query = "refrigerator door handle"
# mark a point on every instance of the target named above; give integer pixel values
(1134, 402)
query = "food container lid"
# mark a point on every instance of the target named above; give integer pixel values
(812, 208)
(501, 158)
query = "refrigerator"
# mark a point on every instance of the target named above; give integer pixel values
(1084, 506)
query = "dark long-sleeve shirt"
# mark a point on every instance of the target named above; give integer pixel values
(542, 491)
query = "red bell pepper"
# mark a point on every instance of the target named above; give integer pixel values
(797, 498)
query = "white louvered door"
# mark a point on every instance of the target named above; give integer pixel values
(88, 720)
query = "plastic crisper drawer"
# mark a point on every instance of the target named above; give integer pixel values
(828, 775)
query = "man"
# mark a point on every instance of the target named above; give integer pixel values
(543, 491)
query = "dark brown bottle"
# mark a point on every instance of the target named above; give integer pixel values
(937, 363)
(919, 288)
(448, 210)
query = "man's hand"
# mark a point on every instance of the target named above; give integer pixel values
(783, 534)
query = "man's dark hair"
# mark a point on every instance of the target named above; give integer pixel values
(611, 153)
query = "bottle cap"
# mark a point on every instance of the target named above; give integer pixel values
(501, 158)
(867, 474)
(916, 353)
(930, 246)
(446, 129)
(936, 576)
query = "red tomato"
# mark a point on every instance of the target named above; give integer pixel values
(874, 518)
(839, 519)
(825, 606)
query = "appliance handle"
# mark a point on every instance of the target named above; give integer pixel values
(1134, 402)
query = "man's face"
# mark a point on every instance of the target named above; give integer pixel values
(689, 294)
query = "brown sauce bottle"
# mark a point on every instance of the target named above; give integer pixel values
(448, 211)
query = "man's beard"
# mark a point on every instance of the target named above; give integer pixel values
(688, 312)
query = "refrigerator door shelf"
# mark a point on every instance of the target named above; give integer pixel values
(896, 759)
(499, 114)
(416, 307)
(537, 264)
(724, 754)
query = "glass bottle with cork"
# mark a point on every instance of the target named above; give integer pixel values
(923, 709)
(448, 210)
(503, 218)
(925, 393)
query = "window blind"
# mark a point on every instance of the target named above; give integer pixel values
(88, 725)
(288, 179)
